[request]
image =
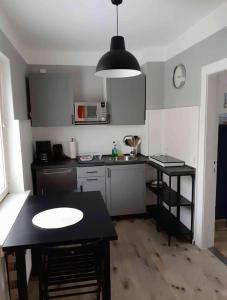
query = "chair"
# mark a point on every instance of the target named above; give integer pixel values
(70, 270)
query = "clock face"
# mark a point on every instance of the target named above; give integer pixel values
(179, 76)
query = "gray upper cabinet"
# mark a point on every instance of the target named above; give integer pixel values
(125, 189)
(51, 99)
(126, 97)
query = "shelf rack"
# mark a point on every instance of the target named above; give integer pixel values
(165, 219)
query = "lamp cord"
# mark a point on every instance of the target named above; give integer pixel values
(117, 17)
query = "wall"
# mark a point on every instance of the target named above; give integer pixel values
(174, 131)
(18, 69)
(154, 84)
(209, 50)
(91, 139)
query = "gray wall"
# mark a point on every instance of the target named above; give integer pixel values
(210, 50)
(154, 84)
(87, 86)
(18, 72)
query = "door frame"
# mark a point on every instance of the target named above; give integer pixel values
(204, 236)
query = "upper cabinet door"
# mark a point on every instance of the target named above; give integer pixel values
(51, 99)
(126, 97)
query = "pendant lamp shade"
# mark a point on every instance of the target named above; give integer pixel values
(117, 62)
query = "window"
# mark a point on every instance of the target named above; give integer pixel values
(3, 181)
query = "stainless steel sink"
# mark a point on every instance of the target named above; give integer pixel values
(123, 158)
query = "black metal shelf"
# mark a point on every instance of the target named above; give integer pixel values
(165, 219)
(170, 197)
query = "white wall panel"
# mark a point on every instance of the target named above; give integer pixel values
(90, 139)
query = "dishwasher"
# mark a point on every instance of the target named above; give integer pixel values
(56, 180)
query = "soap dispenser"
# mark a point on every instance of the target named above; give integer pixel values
(114, 149)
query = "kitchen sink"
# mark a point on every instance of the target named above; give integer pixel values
(123, 158)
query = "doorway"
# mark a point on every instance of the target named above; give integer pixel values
(207, 156)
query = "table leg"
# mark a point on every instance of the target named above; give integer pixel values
(106, 279)
(21, 274)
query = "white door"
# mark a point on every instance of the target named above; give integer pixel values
(210, 161)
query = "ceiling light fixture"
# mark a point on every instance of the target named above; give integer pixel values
(117, 62)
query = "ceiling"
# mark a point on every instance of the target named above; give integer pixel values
(87, 25)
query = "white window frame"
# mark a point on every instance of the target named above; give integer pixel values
(3, 139)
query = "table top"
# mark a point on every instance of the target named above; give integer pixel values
(96, 223)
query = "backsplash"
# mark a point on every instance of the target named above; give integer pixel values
(91, 139)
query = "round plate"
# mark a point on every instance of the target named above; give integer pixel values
(57, 217)
(179, 76)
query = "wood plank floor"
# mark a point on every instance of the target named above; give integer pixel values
(145, 268)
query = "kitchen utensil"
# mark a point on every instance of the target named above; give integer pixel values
(132, 141)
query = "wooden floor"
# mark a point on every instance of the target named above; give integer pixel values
(221, 237)
(145, 268)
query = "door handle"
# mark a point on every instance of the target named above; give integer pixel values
(92, 179)
(108, 172)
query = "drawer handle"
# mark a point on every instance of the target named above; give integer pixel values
(92, 172)
(92, 179)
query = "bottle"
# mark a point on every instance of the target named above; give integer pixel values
(114, 149)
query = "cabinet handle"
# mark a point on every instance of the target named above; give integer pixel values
(73, 121)
(92, 172)
(92, 179)
(108, 173)
(81, 189)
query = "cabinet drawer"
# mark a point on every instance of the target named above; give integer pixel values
(91, 172)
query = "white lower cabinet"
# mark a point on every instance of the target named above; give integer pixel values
(92, 179)
(125, 189)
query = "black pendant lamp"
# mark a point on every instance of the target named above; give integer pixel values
(117, 62)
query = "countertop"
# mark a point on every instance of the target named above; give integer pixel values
(96, 223)
(106, 160)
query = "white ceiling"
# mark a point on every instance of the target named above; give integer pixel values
(87, 25)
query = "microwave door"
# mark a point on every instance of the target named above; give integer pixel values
(91, 113)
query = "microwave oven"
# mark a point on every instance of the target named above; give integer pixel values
(88, 112)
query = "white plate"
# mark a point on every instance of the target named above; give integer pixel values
(57, 217)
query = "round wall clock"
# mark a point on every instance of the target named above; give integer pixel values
(179, 76)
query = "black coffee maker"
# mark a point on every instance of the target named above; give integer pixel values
(43, 151)
(58, 153)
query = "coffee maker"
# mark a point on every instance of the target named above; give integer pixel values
(43, 151)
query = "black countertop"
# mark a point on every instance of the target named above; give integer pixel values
(106, 160)
(96, 223)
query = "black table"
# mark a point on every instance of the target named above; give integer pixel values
(96, 224)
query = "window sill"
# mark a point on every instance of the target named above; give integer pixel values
(9, 210)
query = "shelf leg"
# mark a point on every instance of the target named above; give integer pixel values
(169, 234)
(158, 203)
(178, 197)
